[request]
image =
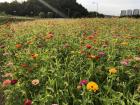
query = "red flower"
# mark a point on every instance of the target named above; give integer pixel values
(88, 46)
(90, 37)
(24, 65)
(13, 82)
(97, 57)
(27, 102)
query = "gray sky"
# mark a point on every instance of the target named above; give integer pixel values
(109, 7)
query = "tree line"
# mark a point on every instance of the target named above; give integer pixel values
(34, 8)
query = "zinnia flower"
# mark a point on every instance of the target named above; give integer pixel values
(27, 102)
(91, 56)
(112, 71)
(90, 37)
(8, 75)
(97, 57)
(5, 54)
(6, 83)
(124, 43)
(101, 54)
(35, 82)
(124, 62)
(66, 45)
(34, 56)
(13, 82)
(92, 86)
(29, 42)
(88, 46)
(83, 82)
(2, 46)
(18, 46)
(24, 65)
(50, 35)
(79, 87)
(137, 58)
(9, 64)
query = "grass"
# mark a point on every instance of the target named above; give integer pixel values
(54, 61)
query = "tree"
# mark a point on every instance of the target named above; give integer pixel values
(33, 7)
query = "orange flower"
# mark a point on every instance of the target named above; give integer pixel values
(6, 83)
(34, 56)
(94, 41)
(91, 56)
(50, 35)
(90, 37)
(35, 82)
(112, 71)
(24, 65)
(29, 42)
(92, 86)
(18, 46)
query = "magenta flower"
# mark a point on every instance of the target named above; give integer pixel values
(13, 82)
(27, 102)
(83, 82)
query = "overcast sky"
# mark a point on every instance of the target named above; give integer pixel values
(109, 7)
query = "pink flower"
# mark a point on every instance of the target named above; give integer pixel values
(83, 82)
(125, 62)
(27, 102)
(101, 54)
(6, 83)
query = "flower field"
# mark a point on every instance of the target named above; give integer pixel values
(70, 62)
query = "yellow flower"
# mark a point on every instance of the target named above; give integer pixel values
(92, 86)
(112, 71)
(124, 43)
